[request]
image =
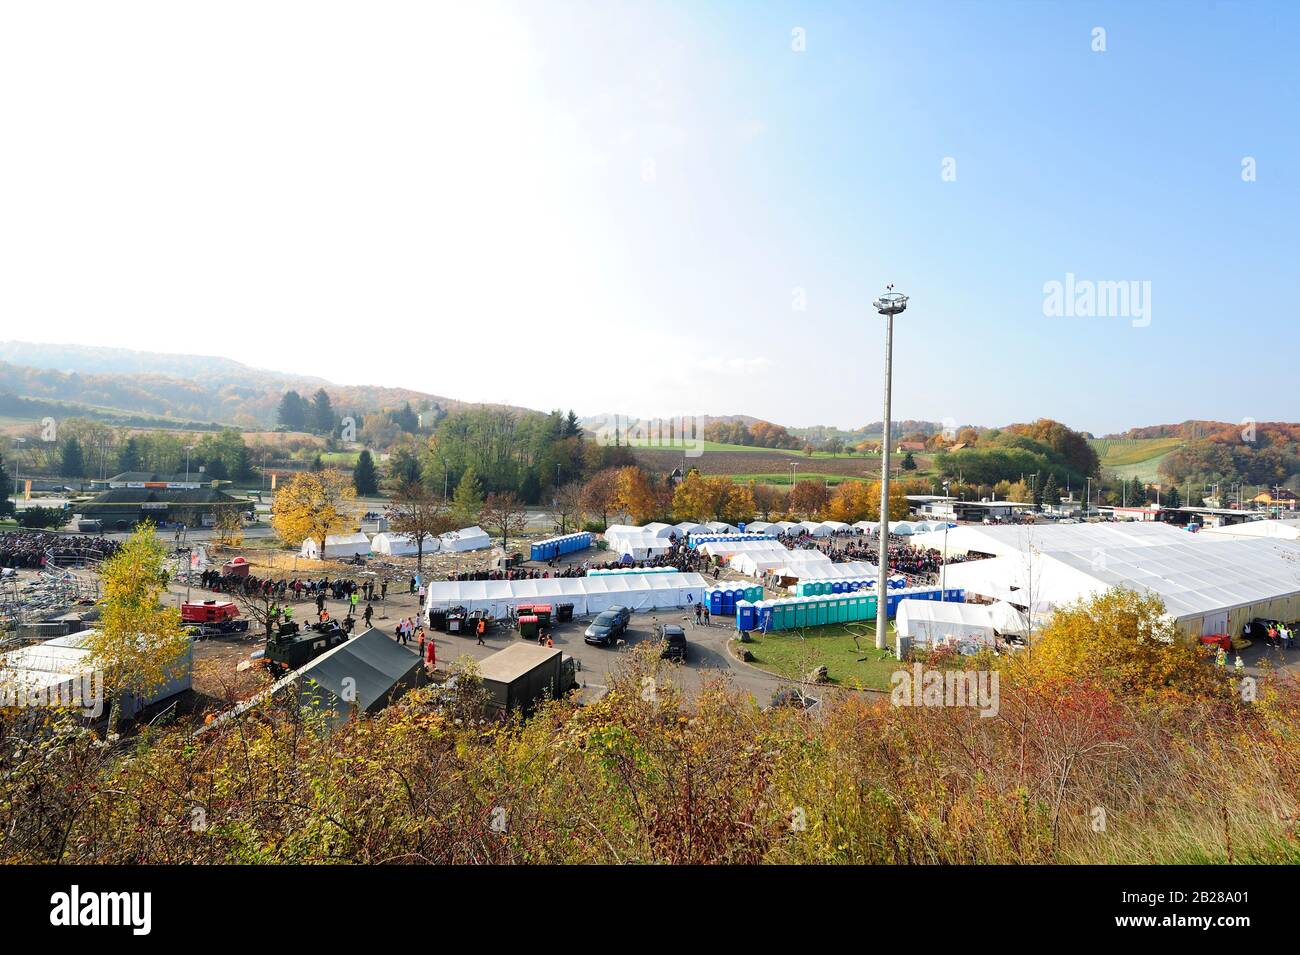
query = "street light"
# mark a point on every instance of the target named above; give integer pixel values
(890, 304)
(17, 441)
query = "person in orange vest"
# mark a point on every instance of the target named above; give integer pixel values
(550, 642)
(420, 651)
(432, 655)
(482, 629)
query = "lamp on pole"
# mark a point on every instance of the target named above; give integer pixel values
(17, 442)
(890, 304)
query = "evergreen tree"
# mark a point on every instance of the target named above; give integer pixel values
(1172, 498)
(406, 419)
(571, 427)
(468, 499)
(74, 462)
(1038, 491)
(1051, 493)
(322, 413)
(129, 457)
(292, 412)
(909, 462)
(1137, 493)
(365, 477)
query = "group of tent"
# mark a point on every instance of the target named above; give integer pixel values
(391, 544)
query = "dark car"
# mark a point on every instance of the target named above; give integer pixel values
(605, 629)
(674, 638)
(624, 614)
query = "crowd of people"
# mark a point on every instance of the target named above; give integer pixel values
(29, 549)
(296, 588)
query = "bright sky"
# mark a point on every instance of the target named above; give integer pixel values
(619, 207)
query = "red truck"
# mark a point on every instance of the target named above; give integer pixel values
(209, 618)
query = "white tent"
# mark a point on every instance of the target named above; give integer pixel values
(1007, 619)
(467, 538)
(336, 546)
(760, 527)
(638, 544)
(932, 622)
(621, 530)
(753, 563)
(659, 529)
(816, 528)
(393, 544)
(835, 527)
(867, 527)
(787, 527)
(852, 570)
(589, 595)
(727, 548)
(902, 528)
(718, 527)
(686, 526)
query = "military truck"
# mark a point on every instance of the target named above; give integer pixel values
(291, 647)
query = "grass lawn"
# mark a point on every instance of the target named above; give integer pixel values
(784, 479)
(792, 653)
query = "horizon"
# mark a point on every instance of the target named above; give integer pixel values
(711, 189)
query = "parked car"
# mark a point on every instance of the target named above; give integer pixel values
(605, 629)
(624, 614)
(674, 638)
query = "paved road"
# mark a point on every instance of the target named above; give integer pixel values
(707, 651)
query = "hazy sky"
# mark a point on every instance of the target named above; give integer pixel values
(670, 208)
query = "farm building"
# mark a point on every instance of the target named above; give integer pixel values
(121, 508)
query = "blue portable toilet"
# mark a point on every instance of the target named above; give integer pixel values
(728, 602)
(837, 587)
(715, 602)
(744, 615)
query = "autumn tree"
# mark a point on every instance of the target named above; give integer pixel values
(568, 505)
(312, 506)
(503, 512)
(229, 525)
(1125, 641)
(600, 494)
(768, 500)
(138, 644)
(808, 499)
(700, 498)
(416, 513)
(636, 499)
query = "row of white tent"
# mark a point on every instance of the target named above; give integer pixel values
(392, 544)
(828, 528)
(589, 595)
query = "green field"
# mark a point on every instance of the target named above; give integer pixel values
(784, 480)
(792, 653)
(1134, 457)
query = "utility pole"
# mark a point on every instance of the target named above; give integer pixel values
(890, 304)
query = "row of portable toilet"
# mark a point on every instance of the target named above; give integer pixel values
(819, 588)
(695, 540)
(554, 547)
(794, 613)
(722, 601)
(619, 571)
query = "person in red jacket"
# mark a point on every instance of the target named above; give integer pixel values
(431, 655)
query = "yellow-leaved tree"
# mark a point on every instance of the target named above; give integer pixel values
(140, 643)
(1125, 641)
(312, 506)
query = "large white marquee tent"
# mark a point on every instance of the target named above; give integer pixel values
(589, 595)
(638, 544)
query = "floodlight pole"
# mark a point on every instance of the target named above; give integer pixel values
(890, 304)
